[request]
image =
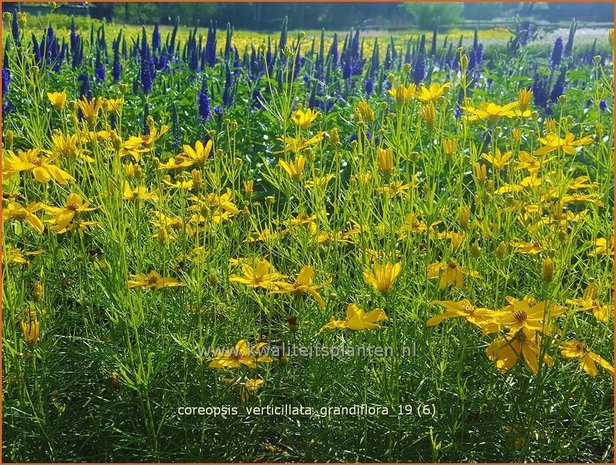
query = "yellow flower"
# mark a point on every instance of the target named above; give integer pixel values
(259, 276)
(602, 246)
(432, 93)
(403, 94)
(242, 354)
(527, 162)
(482, 317)
(153, 280)
(30, 329)
(321, 181)
(62, 216)
(295, 168)
(588, 359)
(113, 105)
(528, 316)
(302, 118)
(528, 248)
(491, 112)
(499, 160)
(18, 212)
(17, 257)
(450, 274)
(357, 319)
(365, 112)
(253, 385)
(190, 156)
(89, 108)
(506, 350)
(148, 140)
(481, 173)
(67, 146)
(41, 167)
(385, 158)
(568, 145)
(429, 114)
(295, 144)
(139, 193)
(132, 146)
(303, 285)
(589, 303)
(524, 98)
(383, 277)
(449, 148)
(57, 99)
(180, 184)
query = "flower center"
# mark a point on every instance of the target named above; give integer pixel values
(153, 279)
(72, 206)
(520, 315)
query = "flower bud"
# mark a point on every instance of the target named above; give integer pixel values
(249, 188)
(197, 178)
(464, 215)
(475, 250)
(37, 291)
(501, 250)
(481, 173)
(547, 270)
(293, 323)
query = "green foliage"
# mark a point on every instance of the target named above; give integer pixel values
(426, 14)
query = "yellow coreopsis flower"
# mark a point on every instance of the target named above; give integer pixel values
(296, 144)
(113, 105)
(491, 112)
(568, 145)
(62, 216)
(482, 317)
(590, 303)
(385, 157)
(41, 167)
(450, 274)
(449, 147)
(403, 94)
(365, 112)
(16, 256)
(132, 146)
(68, 146)
(383, 277)
(57, 99)
(524, 98)
(428, 112)
(304, 119)
(528, 316)
(295, 168)
(506, 351)
(357, 319)
(89, 108)
(190, 156)
(139, 193)
(602, 246)
(153, 280)
(527, 162)
(30, 330)
(528, 248)
(498, 160)
(588, 360)
(432, 93)
(259, 276)
(15, 211)
(303, 285)
(242, 354)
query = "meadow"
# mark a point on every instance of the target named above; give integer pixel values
(221, 246)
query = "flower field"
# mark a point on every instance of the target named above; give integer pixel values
(305, 247)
